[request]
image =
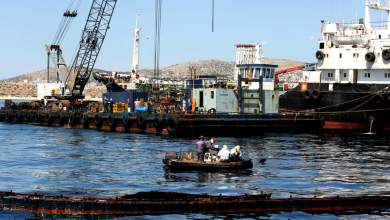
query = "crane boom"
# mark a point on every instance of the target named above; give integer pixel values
(288, 70)
(92, 39)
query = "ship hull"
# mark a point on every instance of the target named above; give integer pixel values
(342, 107)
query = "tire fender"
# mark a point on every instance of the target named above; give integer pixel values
(141, 122)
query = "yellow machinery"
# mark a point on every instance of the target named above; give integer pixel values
(120, 107)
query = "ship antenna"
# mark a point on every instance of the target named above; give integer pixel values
(388, 15)
(367, 19)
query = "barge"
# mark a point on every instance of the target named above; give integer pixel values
(160, 203)
(172, 124)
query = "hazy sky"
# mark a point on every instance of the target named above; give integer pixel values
(289, 29)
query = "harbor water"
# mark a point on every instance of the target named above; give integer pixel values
(86, 162)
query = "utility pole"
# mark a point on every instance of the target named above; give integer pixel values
(48, 67)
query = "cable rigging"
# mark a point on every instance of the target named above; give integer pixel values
(157, 38)
(54, 50)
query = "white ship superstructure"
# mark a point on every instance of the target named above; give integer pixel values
(357, 53)
(249, 64)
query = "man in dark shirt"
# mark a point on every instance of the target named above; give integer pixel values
(201, 148)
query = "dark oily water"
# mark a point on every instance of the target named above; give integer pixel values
(86, 162)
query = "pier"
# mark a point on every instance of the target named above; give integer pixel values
(172, 124)
(159, 203)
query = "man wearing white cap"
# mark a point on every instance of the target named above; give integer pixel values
(235, 153)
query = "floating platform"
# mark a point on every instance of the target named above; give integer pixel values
(183, 125)
(159, 203)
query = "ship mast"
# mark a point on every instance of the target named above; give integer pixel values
(367, 15)
(136, 48)
(376, 6)
(388, 15)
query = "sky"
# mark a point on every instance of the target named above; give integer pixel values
(288, 29)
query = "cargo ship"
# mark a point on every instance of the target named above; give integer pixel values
(349, 88)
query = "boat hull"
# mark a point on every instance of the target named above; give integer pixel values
(174, 164)
(357, 107)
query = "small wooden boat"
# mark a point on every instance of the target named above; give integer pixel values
(189, 161)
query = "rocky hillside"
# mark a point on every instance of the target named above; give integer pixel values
(211, 67)
(18, 89)
(25, 84)
(203, 67)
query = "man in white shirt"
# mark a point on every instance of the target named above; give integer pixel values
(224, 154)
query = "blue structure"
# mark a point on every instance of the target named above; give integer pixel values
(128, 96)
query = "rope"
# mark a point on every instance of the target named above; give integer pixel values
(337, 112)
(352, 110)
(356, 111)
(362, 103)
(343, 103)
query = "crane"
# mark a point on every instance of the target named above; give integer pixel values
(288, 70)
(54, 50)
(92, 39)
(93, 35)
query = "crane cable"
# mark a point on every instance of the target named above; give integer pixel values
(212, 15)
(157, 37)
(67, 19)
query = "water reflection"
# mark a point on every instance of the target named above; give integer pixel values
(77, 161)
(205, 177)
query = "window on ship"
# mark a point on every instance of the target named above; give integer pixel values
(257, 73)
(242, 73)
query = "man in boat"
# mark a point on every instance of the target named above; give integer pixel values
(235, 153)
(211, 145)
(201, 147)
(224, 154)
